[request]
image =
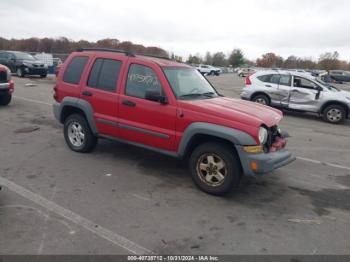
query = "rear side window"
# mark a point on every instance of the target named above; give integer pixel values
(104, 74)
(75, 69)
(273, 78)
(285, 80)
(264, 78)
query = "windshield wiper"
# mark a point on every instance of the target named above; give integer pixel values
(209, 94)
(206, 94)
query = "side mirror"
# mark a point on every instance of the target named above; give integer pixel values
(156, 97)
(319, 89)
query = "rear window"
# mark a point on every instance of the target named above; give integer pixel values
(75, 69)
(104, 74)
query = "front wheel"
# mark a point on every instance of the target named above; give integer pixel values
(43, 76)
(5, 99)
(334, 114)
(215, 168)
(78, 135)
(20, 72)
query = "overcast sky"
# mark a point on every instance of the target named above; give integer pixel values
(301, 27)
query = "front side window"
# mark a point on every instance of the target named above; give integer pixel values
(141, 79)
(304, 83)
(188, 83)
(104, 74)
(75, 69)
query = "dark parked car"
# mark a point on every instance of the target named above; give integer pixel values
(23, 63)
(340, 76)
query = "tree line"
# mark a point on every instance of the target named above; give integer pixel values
(63, 45)
(236, 58)
(326, 61)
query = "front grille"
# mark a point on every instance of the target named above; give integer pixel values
(273, 133)
(3, 77)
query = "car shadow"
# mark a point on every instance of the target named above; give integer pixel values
(312, 117)
(173, 173)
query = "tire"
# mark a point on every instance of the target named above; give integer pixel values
(261, 99)
(43, 76)
(212, 73)
(5, 99)
(210, 156)
(20, 72)
(78, 135)
(334, 114)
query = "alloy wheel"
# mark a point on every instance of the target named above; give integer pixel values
(211, 169)
(76, 134)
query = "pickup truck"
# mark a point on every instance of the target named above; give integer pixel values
(6, 86)
(170, 108)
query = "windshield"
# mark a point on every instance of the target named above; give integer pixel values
(188, 83)
(326, 85)
(24, 56)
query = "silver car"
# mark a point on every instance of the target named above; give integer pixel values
(298, 92)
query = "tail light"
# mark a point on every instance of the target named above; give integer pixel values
(55, 93)
(11, 86)
(247, 81)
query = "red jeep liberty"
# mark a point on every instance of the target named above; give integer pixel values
(170, 108)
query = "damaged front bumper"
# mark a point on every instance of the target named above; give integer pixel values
(261, 163)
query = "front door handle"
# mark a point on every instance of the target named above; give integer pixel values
(268, 85)
(129, 103)
(86, 93)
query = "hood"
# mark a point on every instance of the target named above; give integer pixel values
(33, 62)
(345, 93)
(237, 110)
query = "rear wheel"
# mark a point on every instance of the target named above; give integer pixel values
(261, 99)
(215, 168)
(5, 99)
(334, 114)
(78, 135)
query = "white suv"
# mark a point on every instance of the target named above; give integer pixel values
(208, 70)
(298, 92)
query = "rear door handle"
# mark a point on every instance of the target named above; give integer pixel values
(86, 93)
(268, 85)
(129, 103)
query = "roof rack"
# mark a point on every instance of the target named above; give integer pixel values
(127, 53)
(155, 56)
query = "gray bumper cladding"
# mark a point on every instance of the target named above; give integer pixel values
(266, 162)
(57, 110)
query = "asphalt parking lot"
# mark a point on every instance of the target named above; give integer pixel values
(122, 200)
